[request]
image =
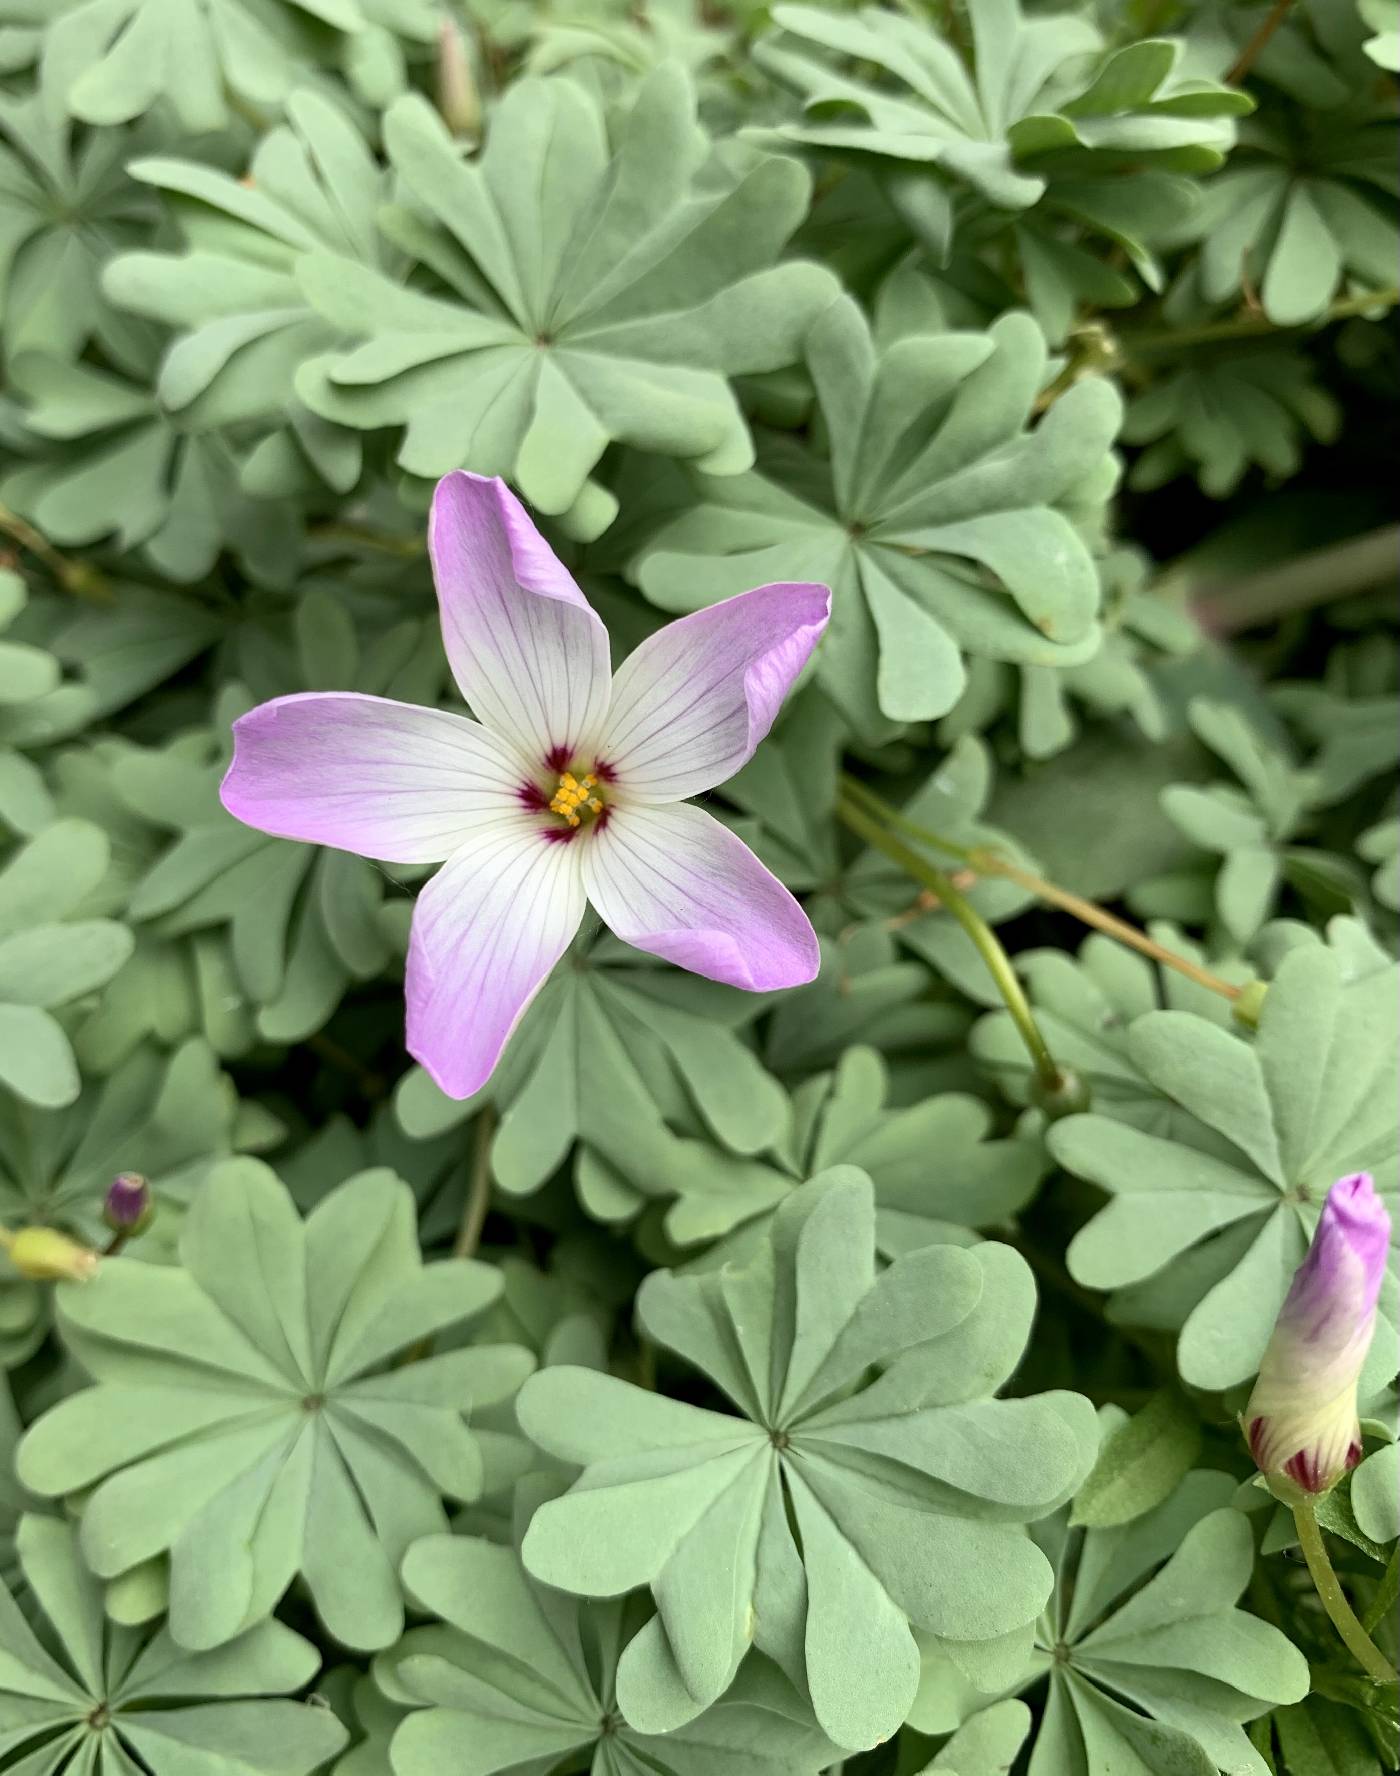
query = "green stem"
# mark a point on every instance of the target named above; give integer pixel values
(478, 1189)
(984, 939)
(1363, 1649)
(74, 576)
(987, 862)
(1255, 326)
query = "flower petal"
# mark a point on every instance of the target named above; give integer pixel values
(693, 701)
(526, 648)
(675, 882)
(388, 780)
(486, 932)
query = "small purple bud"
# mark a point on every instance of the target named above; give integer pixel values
(127, 1207)
(1301, 1420)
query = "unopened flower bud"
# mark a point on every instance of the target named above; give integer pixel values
(1069, 1096)
(45, 1255)
(1250, 1003)
(457, 98)
(1301, 1420)
(127, 1208)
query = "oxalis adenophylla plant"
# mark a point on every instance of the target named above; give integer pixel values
(698, 888)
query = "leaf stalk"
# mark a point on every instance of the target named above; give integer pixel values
(1359, 1643)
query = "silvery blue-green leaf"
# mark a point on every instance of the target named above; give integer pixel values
(594, 289)
(614, 1064)
(935, 1173)
(136, 480)
(942, 523)
(118, 1699)
(1280, 1118)
(1307, 205)
(14, 1500)
(868, 991)
(1249, 826)
(242, 322)
(1383, 16)
(1217, 419)
(1380, 845)
(48, 958)
(1040, 118)
(985, 1745)
(1375, 1494)
(899, 1523)
(299, 923)
(130, 55)
(504, 1681)
(66, 204)
(1086, 1006)
(1171, 1643)
(315, 1452)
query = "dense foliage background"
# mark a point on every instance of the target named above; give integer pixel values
(1057, 340)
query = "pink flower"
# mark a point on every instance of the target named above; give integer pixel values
(566, 789)
(1301, 1419)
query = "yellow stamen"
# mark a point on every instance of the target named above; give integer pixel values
(573, 794)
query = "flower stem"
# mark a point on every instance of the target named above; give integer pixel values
(478, 1188)
(74, 576)
(1258, 42)
(984, 939)
(1254, 326)
(987, 862)
(1363, 1649)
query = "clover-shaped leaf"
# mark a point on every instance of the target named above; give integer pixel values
(1142, 625)
(48, 959)
(36, 706)
(586, 293)
(129, 55)
(1253, 827)
(299, 923)
(1383, 17)
(1380, 845)
(1219, 413)
(1055, 135)
(14, 1500)
(94, 1696)
(867, 991)
(1036, 91)
(168, 1117)
(904, 1513)
(310, 1453)
(1308, 1102)
(1158, 1676)
(66, 204)
(517, 1677)
(612, 1062)
(985, 1745)
(1306, 205)
(935, 1173)
(244, 325)
(943, 525)
(137, 478)
(1086, 1007)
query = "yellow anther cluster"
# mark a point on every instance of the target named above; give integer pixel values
(573, 795)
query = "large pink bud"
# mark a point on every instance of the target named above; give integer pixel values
(1301, 1419)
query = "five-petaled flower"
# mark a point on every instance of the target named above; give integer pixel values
(1301, 1419)
(567, 788)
